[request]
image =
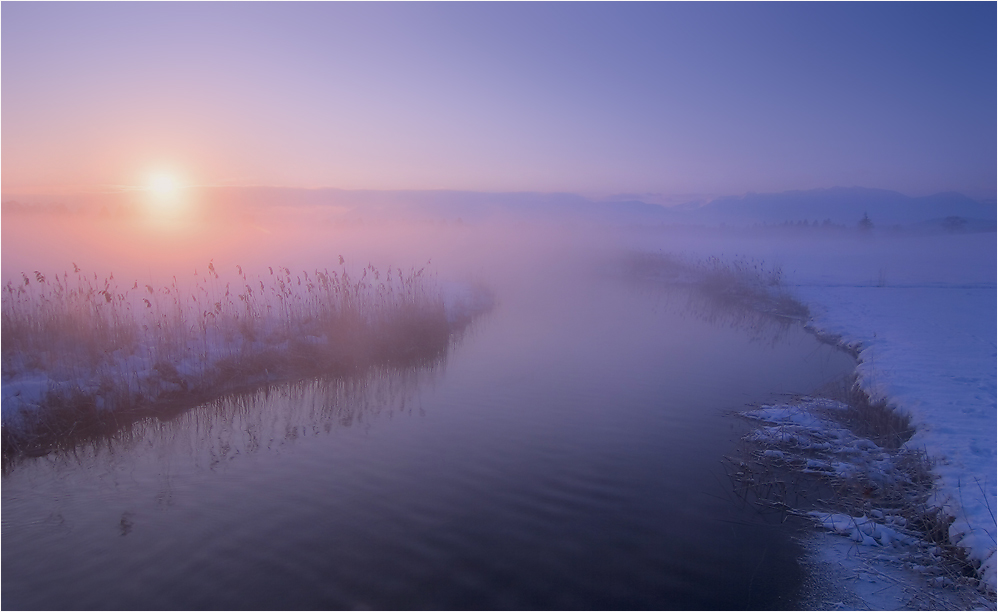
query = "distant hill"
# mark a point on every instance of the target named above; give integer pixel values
(841, 205)
(467, 206)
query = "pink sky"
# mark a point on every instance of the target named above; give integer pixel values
(582, 98)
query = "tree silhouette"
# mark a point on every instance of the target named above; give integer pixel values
(865, 223)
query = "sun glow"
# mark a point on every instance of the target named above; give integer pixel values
(163, 184)
(167, 200)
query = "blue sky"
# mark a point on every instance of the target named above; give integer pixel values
(702, 98)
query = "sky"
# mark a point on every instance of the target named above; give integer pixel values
(594, 98)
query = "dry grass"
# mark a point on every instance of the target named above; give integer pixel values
(784, 487)
(876, 421)
(738, 283)
(742, 294)
(104, 352)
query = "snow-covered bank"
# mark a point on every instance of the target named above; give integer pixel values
(921, 313)
(883, 547)
(930, 351)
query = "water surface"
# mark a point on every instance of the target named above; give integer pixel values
(567, 454)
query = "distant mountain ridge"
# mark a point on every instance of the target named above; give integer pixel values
(841, 205)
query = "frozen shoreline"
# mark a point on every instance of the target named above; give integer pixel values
(878, 546)
(929, 351)
(919, 314)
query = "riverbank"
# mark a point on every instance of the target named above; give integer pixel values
(839, 463)
(929, 351)
(85, 357)
(920, 319)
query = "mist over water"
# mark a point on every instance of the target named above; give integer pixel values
(468, 234)
(345, 305)
(562, 453)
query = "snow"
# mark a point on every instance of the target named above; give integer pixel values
(845, 575)
(799, 427)
(920, 310)
(862, 529)
(927, 346)
(885, 564)
(870, 558)
(810, 439)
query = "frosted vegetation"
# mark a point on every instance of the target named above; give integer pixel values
(77, 349)
(741, 284)
(847, 467)
(883, 487)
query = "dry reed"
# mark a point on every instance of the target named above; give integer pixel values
(79, 351)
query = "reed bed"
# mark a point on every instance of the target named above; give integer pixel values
(742, 294)
(735, 284)
(78, 350)
(878, 483)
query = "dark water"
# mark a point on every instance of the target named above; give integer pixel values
(567, 455)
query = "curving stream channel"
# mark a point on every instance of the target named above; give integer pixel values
(565, 455)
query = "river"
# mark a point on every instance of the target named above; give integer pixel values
(567, 453)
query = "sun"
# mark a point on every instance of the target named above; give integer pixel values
(163, 184)
(167, 199)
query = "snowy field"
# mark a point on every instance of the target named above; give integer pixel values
(921, 311)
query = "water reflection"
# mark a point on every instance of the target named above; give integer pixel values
(760, 327)
(567, 459)
(242, 424)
